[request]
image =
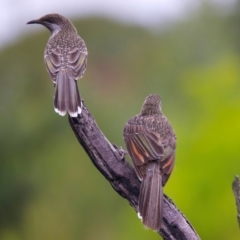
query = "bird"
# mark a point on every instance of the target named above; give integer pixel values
(65, 57)
(151, 144)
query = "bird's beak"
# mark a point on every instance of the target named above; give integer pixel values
(34, 21)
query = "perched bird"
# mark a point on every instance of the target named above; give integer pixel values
(151, 143)
(65, 57)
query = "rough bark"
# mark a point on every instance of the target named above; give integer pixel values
(236, 191)
(110, 161)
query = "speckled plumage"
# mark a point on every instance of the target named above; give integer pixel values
(151, 144)
(65, 57)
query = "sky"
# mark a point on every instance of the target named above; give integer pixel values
(147, 13)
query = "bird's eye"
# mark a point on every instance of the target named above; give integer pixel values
(50, 20)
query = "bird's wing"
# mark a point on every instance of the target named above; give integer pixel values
(53, 62)
(144, 146)
(77, 60)
(167, 163)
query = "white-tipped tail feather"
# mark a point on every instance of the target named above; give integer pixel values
(67, 98)
(151, 198)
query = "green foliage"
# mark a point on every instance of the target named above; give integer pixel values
(48, 187)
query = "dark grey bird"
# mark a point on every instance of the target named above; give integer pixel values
(151, 144)
(65, 57)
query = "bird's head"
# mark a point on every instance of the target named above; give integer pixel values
(152, 105)
(54, 22)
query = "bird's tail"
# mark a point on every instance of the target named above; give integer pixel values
(67, 97)
(151, 197)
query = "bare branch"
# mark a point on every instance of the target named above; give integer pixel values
(236, 191)
(110, 161)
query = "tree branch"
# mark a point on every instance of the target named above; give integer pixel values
(109, 160)
(236, 191)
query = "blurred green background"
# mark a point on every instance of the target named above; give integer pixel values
(49, 189)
